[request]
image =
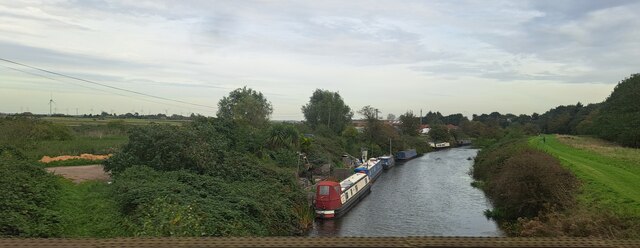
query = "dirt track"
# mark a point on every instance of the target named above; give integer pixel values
(81, 173)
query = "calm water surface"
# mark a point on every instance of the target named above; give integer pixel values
(427, 196)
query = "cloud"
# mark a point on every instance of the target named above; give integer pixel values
(199, 49)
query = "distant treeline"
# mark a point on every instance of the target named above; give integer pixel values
(616, 119)
(103, 114)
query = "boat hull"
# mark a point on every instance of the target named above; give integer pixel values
(337, 213)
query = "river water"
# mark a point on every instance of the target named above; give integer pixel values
(427, 196)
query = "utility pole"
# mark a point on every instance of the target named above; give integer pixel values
(420, 117)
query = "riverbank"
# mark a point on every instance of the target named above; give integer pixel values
(579, 186)
(429, 195)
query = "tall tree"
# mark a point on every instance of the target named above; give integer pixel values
(439, 133)
(409, 124)
(245, 106)
(619, 117)
(327, 108)
(374, 126)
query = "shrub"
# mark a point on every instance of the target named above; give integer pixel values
(531, 182)
(28, 195)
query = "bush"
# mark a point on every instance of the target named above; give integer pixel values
(531, 182)
(523, 182)
(181, 203)
(28, 195)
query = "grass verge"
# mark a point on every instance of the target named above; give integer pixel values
(88, 210)
(610, 175)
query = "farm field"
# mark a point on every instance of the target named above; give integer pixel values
(76, 121)
(610, 174)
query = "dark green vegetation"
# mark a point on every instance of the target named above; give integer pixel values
(535, 192)
(88, 209)
(523, 182)
(36, 138)
(206, 179)
(29, 195)
(616, 119)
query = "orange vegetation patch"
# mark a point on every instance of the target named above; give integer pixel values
(47, 159)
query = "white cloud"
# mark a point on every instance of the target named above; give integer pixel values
(397, 56)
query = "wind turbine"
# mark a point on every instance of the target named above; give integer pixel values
(51, 102)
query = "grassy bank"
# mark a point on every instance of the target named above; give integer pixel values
(88, 210)
(610, 174)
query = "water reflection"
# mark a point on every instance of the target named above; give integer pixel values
(427, 196)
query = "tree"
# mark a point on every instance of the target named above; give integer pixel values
(369, 113)
(619, 117)
(439, 133)
(245, 106)
(391, 117)
(409, 124)
(327, 108)
(374, 127)
(283, 136)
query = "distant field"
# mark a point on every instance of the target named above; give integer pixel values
(76, 121)
(77, 146)
(610, 174)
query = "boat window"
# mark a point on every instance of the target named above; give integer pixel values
(324, 190)
(356, 188)
(337, 189)
(346, 195)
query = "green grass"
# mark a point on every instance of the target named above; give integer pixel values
(610, 177)
(76, 146)
(88, 210)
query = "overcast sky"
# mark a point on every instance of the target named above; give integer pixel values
(451, 56)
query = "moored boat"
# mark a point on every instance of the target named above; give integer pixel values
(387, 161)
(334, 199)
(440, 145)
(406, 154)
(373, 168)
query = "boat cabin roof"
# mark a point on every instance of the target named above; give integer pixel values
(347, 183)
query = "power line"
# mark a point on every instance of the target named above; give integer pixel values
(103, 85)
(88, 87)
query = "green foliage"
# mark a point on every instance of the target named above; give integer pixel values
(619, 117)
(76, 146)
(409, 124)
(327, 108)
(245, 106)
(283, 136)
(88, 209)
(439, 133)
(28, 195)
(181, 203)
(523, 182)
(22, 131)
(198, 147)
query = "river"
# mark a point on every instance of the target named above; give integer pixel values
(427, 196)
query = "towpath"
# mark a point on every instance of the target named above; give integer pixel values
(80, 174)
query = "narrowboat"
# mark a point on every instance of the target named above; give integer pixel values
(334, 199)
(406, 154)
(440, 145)
(373, 168)
(387, 161)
